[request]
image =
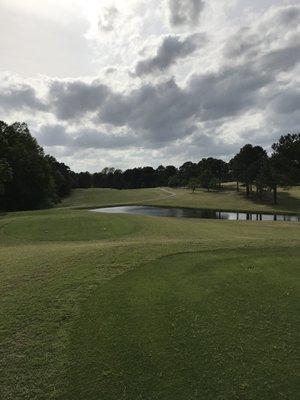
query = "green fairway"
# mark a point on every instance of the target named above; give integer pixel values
(191, 326)
(225, 199)
(101, 197)
(98, 306)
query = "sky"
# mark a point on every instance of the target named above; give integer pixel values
(128, 83)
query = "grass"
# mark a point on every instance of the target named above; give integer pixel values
(191, 326)
(226, 199)
(100, 197)
(230, 200)
(132, 307)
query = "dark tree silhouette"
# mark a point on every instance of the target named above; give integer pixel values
(247, 164)
(5, 175)
(31, 185)
(28, 178)
(284, 165)
(208, 180)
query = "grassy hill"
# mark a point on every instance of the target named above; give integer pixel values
(133, 307)
(226, 199)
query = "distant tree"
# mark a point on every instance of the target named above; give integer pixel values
(247, 164)
(62, 176)
(218, 168)
(118, 182)
(287, 154)
(161, 176)
(148, 177)
(187, 171)
(208, 180)
(5, 177)
(193, 184)
(174, 181)
(235, 170)
(84, 180)
(284, 164)
(171, 171)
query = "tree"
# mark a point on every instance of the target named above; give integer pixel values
(31, 185)
(187, 171)
(235, 170)
(193, 184)
(218, 168)
(287, 154)
(174, 181)
(247, 164)
(5, 177)
(208, 180)
(284, 164)
(84, 180)
(62, 176)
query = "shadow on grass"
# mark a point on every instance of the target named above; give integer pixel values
(285, 201)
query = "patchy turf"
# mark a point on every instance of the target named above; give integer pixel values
(121, 306)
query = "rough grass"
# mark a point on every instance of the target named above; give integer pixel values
(133, 307)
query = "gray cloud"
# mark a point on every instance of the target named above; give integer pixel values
(185, 12)
(210, 145)
(52, 135)
(287, 101)
(172, 49)
(58, 135)
(157, 113)
(93, 138)
(74, 99)
(228, 92)
(288, 16)
(244, 43)
(18, 97)
(281, 60)
(162, 113)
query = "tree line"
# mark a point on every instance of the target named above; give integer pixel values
(30, 179)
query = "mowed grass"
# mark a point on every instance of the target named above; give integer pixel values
(226, 199)
(191, 326)
(97, 306)
(229, 199)
(101, 197)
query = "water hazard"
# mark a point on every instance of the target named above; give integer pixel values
(196, 213)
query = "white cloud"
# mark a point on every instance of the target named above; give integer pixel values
(186, 100)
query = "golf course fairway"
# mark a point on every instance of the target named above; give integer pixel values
(98, 306)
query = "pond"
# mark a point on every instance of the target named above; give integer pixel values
(196, 213)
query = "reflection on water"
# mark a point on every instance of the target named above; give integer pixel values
(196, 213)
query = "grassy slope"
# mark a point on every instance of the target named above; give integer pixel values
(227, 199)
(101, 197)
(214, 320)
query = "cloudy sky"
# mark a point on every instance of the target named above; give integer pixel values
(125, 83)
